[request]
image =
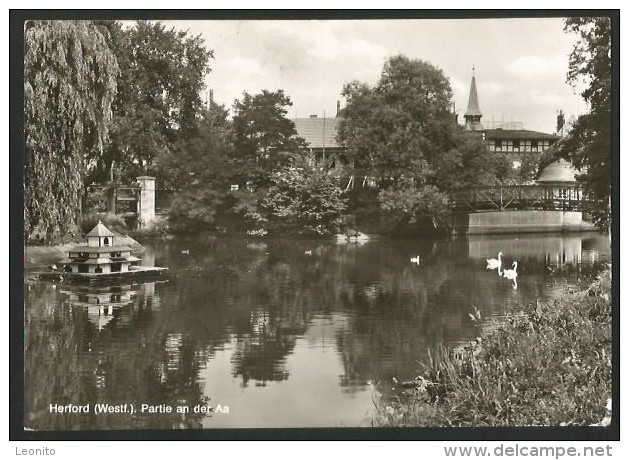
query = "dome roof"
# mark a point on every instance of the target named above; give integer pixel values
(559, 171)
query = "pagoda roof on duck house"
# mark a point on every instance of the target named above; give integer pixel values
(100, 230)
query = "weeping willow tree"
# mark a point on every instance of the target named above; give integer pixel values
(69, 85)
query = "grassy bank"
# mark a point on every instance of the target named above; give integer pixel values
(548, 365)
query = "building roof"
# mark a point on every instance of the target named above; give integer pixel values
(98, 261)
(100, 249)
(100, 230)
(500, 133)
(559, 171)
(473, 109)
(318, 132)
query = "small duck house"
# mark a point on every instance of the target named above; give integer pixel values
(100, 254)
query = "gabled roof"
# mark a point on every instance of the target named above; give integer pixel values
(100, 230)
(500, 133)
(473, 109)
(318, 132)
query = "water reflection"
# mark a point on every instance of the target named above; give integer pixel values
(287, 333)
(100, 303)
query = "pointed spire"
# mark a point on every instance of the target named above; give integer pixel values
(472, 105)
(473, 113)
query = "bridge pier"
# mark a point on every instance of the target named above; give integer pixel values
(520, 221)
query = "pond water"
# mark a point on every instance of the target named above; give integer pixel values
(281, 333)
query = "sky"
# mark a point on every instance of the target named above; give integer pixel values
(520, 64)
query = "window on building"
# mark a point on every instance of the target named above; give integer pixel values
(534, 145)
(498, 143)
(516, 144)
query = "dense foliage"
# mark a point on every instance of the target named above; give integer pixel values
(162, 72)
(588, 145)
(264, 138)
(69, 85)
(550, 365)
(249, 152)
(111, 221)
(198, 171)
(403, 133)
(304, 199)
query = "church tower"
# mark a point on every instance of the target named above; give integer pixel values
(473, 114)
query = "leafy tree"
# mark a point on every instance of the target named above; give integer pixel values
(403, 133)
(588, 145)
(303, 199)
(162, 74)
(399, 126)
(69, 86)
(468, 163)
(264, 139)
(410, 204)
(197, 170)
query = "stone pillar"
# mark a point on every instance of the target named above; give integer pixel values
(146, 203)
(111, 199)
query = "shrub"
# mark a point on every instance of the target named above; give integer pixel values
(548, 365)
(304, 200)
(111, 221)
(194, 210)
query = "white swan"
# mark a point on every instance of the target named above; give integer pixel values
(492, 264)
(511, 273)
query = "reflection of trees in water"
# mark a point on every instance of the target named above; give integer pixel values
(396, 310)
(52, 368)
(261, 298)
(394, 323)
(410, 310)
(68, 360)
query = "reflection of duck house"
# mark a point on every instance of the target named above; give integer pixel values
(100, 299)
(100, 306)
(100, 255)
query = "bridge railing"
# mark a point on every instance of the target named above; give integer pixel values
(514, 197)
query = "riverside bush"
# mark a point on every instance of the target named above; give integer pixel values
(548, 365)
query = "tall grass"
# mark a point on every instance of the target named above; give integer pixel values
(548, 365)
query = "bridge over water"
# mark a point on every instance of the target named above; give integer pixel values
(520, 197)
(519, 209)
